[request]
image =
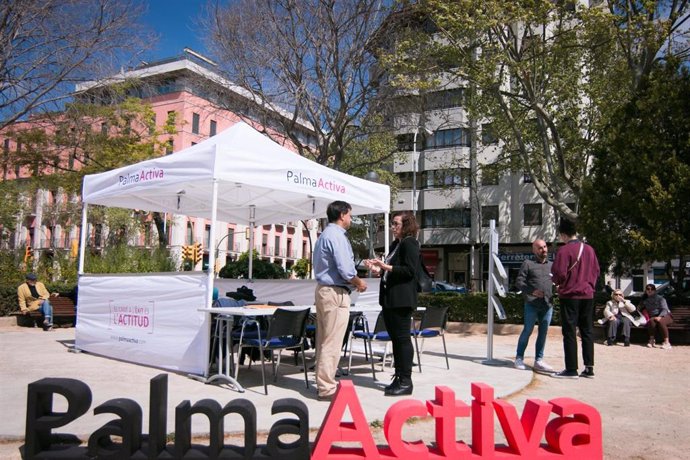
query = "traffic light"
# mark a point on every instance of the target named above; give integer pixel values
(198, 253)
(27, 254)
(74, 249)
(188, 252)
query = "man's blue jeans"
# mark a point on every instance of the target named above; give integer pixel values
(534, 315)
(47, 309)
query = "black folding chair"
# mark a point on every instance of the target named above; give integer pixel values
(286, 331)
(379, 334)
(432, 324)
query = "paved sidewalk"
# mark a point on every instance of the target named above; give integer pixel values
(31, 354)
(641, 393)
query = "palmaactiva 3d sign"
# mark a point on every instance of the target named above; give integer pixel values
(574, 433)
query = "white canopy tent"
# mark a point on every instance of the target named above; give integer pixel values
(238, 176)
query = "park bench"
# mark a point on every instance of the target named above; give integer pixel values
(64, 313)
(679, 330)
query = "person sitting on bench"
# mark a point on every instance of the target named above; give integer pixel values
(33, 296)
(618, 313)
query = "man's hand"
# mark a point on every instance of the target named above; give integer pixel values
(538, 293)
(25, 312)
(54, 294)
(361, 285)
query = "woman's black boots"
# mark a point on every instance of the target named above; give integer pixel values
(401, 386)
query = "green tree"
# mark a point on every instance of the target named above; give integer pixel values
(637, 200)
(86, 138)
(261, 269)
(547, 74)
(302, 268)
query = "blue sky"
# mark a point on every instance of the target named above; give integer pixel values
(175, 22)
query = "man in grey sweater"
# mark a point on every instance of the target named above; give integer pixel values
(534, 280)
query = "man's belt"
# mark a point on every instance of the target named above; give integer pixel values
(347, 288)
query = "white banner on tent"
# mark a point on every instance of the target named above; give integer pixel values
(299, 292)
(150, 319)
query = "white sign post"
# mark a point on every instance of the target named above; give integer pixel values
(497, 278)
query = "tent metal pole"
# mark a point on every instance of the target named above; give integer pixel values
(386, 233)
(82, 237)
(211, 243)
(252, 218)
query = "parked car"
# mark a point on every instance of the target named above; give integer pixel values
(443, 286)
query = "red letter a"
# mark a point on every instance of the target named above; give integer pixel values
(333, 429)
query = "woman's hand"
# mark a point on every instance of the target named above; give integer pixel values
(377, 265)
(373, 265)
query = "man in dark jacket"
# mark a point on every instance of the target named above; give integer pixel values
(575, 271)
(534, 281)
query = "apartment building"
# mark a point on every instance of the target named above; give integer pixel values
(203, 104)
(449, 178)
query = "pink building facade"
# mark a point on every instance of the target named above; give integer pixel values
(183, 86)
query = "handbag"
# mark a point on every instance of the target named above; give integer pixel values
(424, 281)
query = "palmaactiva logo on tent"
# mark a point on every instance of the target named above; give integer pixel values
(145, 175)
(132, 317)
(299, 178)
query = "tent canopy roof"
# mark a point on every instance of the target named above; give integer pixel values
(250, 169)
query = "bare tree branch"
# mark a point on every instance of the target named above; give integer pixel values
(46, 46)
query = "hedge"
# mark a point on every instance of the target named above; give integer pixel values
(473, 308)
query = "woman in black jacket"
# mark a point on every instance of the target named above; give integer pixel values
(398, 297)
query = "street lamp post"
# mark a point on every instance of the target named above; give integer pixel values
(373, 177)
(414, 172)
(414, 167)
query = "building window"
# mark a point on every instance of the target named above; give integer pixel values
(97, 235)
(207, 236)
(231, 239)
(104, 129)
(190, 233)
(488, 134)
(276, 247)
(489, 213)
(212, 128)
(195, 123)
(148, 235)
(172, 118)
(152, 124)
(405, 180)
(449, 138)
(437, 178)
(532, 215)
(447, 99)
(490, 174)
(447, 218)
(169, 146)
(638, 280)
(526, 178)
(406, 142)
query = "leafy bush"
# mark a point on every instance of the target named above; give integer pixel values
(473, 308)
(261, 269)
(125, 259)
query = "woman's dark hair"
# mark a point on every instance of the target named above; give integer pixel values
(337, 209)
(650, 286)
(409, 223)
